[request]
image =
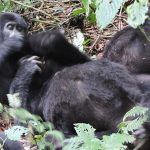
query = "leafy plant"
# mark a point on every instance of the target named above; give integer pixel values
(86, 138)
(106, 11)
(103, 12)
(137, 13)
(47, 136)
(10, 5)
(14, 133)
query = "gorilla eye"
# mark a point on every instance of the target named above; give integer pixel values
(20, 29)
(10, 26)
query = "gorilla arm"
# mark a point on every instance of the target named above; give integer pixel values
(54, 45)
(28, 66)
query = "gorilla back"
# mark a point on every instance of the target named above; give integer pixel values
(12, 40)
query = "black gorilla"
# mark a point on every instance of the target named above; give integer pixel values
(91, 92)
(14, 44)
(55, 50)
(131, 47)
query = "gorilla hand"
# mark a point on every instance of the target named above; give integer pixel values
(28, 67)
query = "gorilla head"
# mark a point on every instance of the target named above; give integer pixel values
(131, 47)
(12, 24)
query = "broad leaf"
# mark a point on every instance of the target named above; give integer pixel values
(137, 13)
(86, 4)
(14, 133)
(106, 11)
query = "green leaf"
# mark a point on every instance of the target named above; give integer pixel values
(138, 114)
(37, 125)
(116, 141)
(85, 139)
(84, 130)
(92, 18)
(137, 110)
(106, 11)
(137, 13)
(1, 108)
(86, 4)
(14, 133)
(22, 115)
(87, 42)
(6, 5)
(78, 11)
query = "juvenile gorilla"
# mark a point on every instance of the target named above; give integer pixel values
(96, 92)
(131, 47)
(56, 51)
(12, 47)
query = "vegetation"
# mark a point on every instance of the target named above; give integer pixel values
(43, 134)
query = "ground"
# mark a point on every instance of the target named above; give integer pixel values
(50, 14)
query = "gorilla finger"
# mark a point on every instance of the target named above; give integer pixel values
(37, 62)
(38, 69)
(23, 59)
(33, 58)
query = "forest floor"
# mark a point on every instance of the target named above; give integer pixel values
(49, 14)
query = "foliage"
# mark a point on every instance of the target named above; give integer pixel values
(140, 116)
(105, 11)
(6, 5)
(86, 138)
(10, 5)
(37, 124)
(47, 136)
(1, 108)
(14, 133)
(86, 4)
(100, 11)
(137, 13)
(42, 129)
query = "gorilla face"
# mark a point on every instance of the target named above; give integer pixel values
(12, 29)
(12, 25)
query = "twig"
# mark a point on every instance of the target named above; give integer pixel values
(120, 22)
(41, 11)
(98, 38)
